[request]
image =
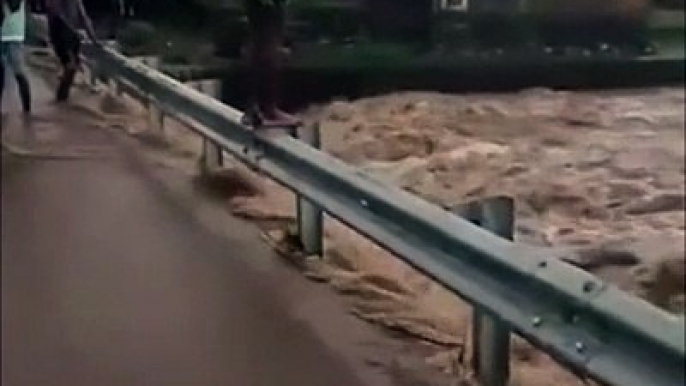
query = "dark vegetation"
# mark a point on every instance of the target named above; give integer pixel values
(382, 28)
(360, 47)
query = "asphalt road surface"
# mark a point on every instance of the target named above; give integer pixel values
(106, 281)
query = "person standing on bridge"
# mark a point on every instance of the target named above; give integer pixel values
(267, 23)
(12, 49)
(64, 18)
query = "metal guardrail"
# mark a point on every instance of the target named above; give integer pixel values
(586, 324)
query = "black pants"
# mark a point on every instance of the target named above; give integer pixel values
(67, 45)
(267, 23)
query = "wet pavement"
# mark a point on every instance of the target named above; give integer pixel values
(107, 281)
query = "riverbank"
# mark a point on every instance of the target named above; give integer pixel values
(322, 69)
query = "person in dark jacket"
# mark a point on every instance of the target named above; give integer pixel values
(267, 24)
(64, 19)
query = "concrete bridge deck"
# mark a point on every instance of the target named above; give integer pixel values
(106, 280)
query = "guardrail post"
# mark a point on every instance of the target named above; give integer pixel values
(94, 74)
(155, 113)
(90, 73)
(310, 217)
(212, 154)
(114, 87)
(155, 118)
(490, 338)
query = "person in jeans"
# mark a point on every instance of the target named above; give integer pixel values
(64, 19)
(12, 49)
(267, 23)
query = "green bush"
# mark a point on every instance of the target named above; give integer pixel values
(360, 54)
(137, 37)
(324, 18)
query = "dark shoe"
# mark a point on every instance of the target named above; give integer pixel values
(275, 119)
(278, 118)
